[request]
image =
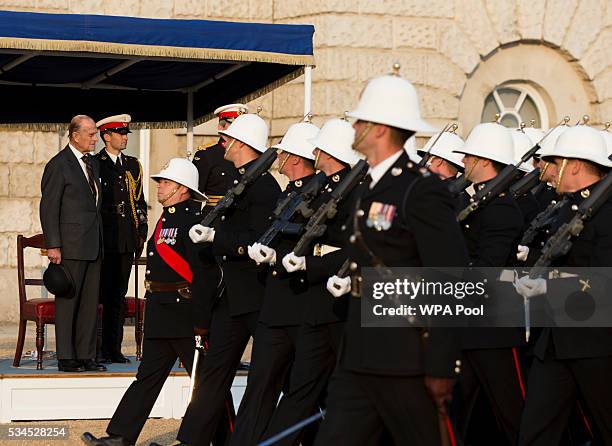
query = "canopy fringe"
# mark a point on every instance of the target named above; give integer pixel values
(84, 46)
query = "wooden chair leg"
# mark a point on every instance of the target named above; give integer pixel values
(20, 342)
(40, 343)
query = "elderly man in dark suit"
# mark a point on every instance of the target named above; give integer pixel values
(71, 223)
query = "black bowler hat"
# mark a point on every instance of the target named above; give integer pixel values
(58, 281)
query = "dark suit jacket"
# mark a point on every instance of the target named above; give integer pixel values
(69, 216)
(422, 232)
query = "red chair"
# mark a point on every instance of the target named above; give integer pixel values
(135, 307)
(38, 310)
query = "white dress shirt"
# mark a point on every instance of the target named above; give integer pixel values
(381, 168)
(79, 156)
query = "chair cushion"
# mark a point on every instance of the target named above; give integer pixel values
(40, 309)
(130, 310)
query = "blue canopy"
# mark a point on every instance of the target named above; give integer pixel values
(53, 66)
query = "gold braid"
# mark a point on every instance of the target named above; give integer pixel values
(131, 185)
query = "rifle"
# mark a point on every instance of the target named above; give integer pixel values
(502, 181)
(255, 170)
(561, 241)
(316, 226)
(458, 185)
(537, 223)
(525, 184)
(295, 201)
(427, 155)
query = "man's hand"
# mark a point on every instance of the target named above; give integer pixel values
(293, 263)
(523, 252)
(529, 288)
(338, 286)
(262, 253)
(441, 391)
(201, 234)
(55, 255)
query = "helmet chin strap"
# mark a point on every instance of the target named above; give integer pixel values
(229, 147)
(170, 195)
(560, 176)
(359, 138)
(471, 169)
(316, 160)
(282, 164)
(544, 169)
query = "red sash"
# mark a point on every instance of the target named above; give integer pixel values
(170, 256)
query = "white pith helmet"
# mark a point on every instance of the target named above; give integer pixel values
(535, 135)
(444, 148)
(490, 140)
(249, 129)
(411, 150)
(336, 139)
(183, 172)
(548, 145)
(297, 140)
(393, 101)
(607, 136)
(584, 143)
(522, 143)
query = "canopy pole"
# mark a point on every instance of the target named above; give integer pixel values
(307, 89)
(189, 123)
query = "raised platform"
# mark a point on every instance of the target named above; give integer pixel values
(30, 394)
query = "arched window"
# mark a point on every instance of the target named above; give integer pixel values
(515, 103)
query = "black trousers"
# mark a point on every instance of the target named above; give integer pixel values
(158, 358)
(315, 359)
(273, 355)
(500, 374)
(75, 319)
(361, 408)
(228, 339)
(553, 390)
(115, 277)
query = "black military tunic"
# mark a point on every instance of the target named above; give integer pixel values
(216, 174)
(492, 360)
(235, 315)
(379, 367)
(124, 217)
(322, 324)
(573, 363)
(169, 316)
(275, 338)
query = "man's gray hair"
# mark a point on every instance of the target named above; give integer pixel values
(75, 124)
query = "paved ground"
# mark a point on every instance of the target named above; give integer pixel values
(159, 430)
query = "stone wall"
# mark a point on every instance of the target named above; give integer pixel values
(453, 51)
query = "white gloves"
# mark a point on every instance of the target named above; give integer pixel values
(338, 286)
(293, 263)
(523, 252)
(201, 234)
(262, 253)
(528, 288)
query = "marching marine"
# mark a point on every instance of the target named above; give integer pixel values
(174, 274)
(217, 174)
